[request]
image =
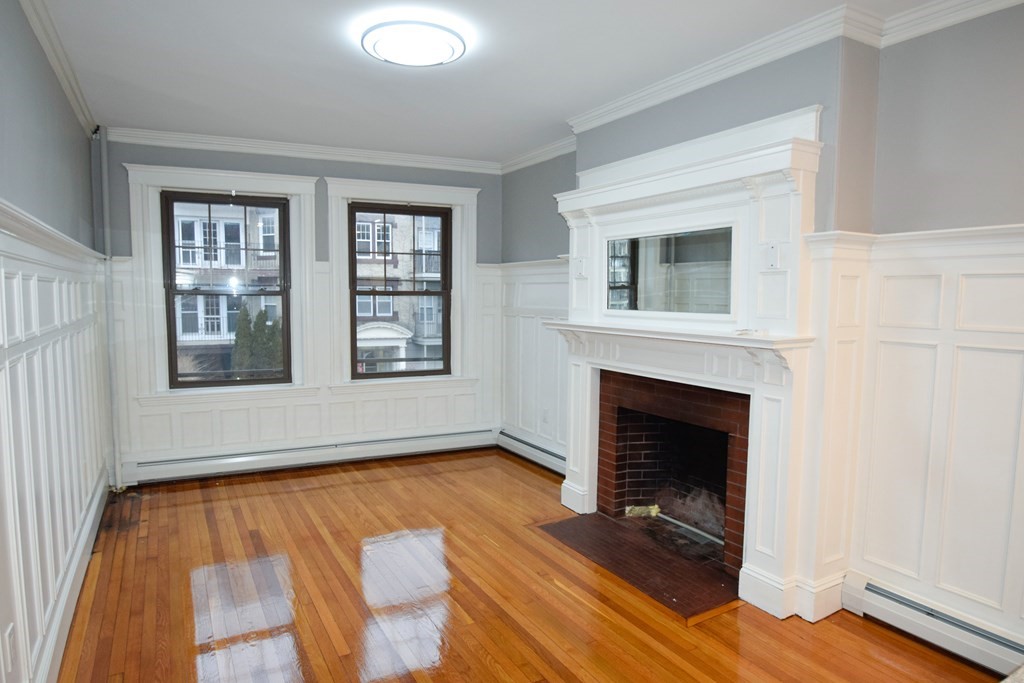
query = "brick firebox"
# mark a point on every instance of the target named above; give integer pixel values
(721, 411)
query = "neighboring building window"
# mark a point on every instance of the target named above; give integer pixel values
(232, 243)
(226, 289)
(188, 255)
(373, 239)
(268, 232)
(417, 278)
(374, 306)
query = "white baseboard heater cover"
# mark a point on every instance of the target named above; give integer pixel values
(947, 631)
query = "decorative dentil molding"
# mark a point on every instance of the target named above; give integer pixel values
(46, 32)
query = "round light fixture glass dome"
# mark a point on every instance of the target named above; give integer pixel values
(413, 43)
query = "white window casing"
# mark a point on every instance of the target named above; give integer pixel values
(463, 202)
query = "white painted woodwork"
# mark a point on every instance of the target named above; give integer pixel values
(792, 341)
(535, 384)
(940, 485)
(323, 415)
(886, 377)
(55, 435)
(757, 179)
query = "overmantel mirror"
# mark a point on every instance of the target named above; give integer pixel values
(683, 272)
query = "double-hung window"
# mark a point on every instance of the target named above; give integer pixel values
(226, 289)
(400, 290)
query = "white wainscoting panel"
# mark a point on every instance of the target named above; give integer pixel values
(940, 504)
(55, 435)
(981, 483)
(535, 363)
(911, 301)
(992, 303)
(899, 454)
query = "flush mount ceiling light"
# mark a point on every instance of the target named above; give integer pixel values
(413, 43)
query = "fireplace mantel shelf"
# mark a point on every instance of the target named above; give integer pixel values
(739, 339)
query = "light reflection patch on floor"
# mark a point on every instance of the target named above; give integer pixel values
(405, 581)
(244, 621)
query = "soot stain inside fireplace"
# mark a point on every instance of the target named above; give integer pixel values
(681, 468)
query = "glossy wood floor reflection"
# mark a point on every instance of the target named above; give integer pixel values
(423, 568)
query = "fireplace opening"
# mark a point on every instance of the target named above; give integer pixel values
(682, 448)
(681, 469)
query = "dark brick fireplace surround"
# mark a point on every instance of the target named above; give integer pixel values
(620, 481)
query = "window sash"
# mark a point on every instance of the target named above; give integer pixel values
(418, 264)
(204, 296)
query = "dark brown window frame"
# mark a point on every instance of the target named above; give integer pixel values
(168, 198)
(444, 293)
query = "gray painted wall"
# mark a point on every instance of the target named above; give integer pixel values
(951, 127)
(806, 78)
(488, 201)
(44, 151)
(855, 139)
(531, 227)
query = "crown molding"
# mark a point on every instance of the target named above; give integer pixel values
(936, 16)
(46, 33)
(841, 21)
(214, 143)
(863, 26)
(847, 21)
(545, 153)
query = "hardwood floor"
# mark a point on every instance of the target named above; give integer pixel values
(421, 568)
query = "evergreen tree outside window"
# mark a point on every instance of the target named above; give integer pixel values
(227, 311)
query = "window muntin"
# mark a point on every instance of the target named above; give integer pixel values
(404, 251)
(226, 286)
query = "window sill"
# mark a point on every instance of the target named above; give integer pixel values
(170, 397)
(402, 383)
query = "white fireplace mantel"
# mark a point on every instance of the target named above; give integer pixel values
(779, 344)
(747, 340)
(757, 179)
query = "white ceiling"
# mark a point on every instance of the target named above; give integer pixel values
(286, 70)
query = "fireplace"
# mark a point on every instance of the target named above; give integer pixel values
(660, 442)
(757, 338)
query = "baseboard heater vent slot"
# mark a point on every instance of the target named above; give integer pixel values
(535, 447)
(945, 618)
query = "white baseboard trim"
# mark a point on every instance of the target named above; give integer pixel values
(577, 499)
(134, 472)
(817, 600)
(767, 592)
(863, 595)
(809, 600)
(56, 635)
(536, 454)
